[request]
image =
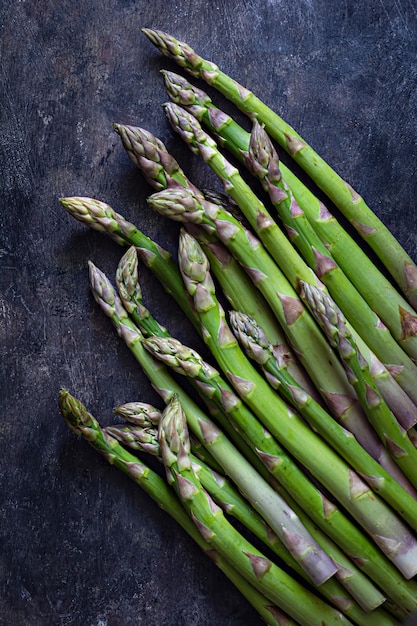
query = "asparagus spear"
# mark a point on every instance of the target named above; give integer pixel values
(187, 362)
(130, 294)
(150, 155)
(301, 331)
(265, 500)
(264, 162)
(294, 268)
(253, 209)
(349, 202)
(325, 465)
(257, 346)
(100, 216)
(382, 297)
(244, 423)
(332, 322)
(261, 572)
(234, 282)
(80, 421)
(241, 294)
(303, 335)
(232, 503)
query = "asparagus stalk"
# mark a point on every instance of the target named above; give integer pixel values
(234, 282)
(301, 330)
(232, 503)
(261, 572)
(265, 500)
(264, 162)
(162, 171)
(187, 362)
(324, 464)
(241, 294)
(349, 202)
(253, 209)
(131, 296)
(382, 297)
(332, 590)
(219, 392)
(80, 421)
(333, 324)
(101, 217)
(257, 346)
(150, 155)
(294, 268)
(245, 426)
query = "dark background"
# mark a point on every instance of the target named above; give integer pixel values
(80, 544)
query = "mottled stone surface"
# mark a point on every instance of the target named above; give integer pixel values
(80, 544)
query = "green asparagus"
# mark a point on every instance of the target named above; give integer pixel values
(264, 499)
(333, 324)
(257, 346)
(226, 496)
(80, 421)
(261, 572)
(187, 362)
(382, 297)
(290, 430)
(350, 203)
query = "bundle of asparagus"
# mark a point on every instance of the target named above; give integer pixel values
(312, 448)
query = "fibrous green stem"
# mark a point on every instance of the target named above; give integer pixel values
(349, 202)
(265, 227)
(127, 280)
(187, 362)
(372, 333)
(300, 328)
(259, 570)
(264, 499)
(242, 295)
(239, 421)
(80, 421)
(373, 286)
(162, 171)
(324, 464)
(257, 346)
(383, 421)
(232, 503)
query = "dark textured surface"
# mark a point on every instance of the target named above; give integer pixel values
(80, 545)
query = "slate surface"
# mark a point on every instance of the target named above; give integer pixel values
(80, 545)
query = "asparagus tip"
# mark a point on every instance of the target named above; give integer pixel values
(73, 411)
